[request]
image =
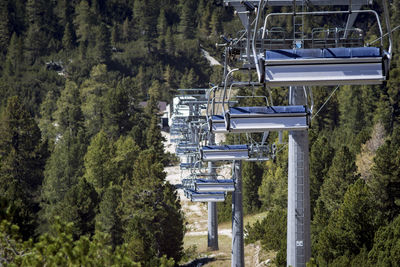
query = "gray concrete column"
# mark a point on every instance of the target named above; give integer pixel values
(298, 217)
(212, 243)
(237, 218)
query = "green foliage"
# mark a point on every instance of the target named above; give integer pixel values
(69, 115)
(118, 111)
(60, 249)
(273, 189)
(102, 50)
(93, 93)
(98, 168)
(22, 160)
(351, 226)
(153, 222)
(224, 209)
(271, 230)
(63, 171)
(14, 58)
(320, 161)
(79, 206)
(385, 183)
(156, 49)
(341, 174)
(108, 219)
(187, 22)
(252, 177)
(385, 251)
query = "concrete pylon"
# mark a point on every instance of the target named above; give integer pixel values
(212, 237)
(298, 216)
(237, 217)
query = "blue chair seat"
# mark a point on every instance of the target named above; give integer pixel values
(221, 181)
(192, 192)
(320, 53)
(267, 110)
(217, 118)
(225, 147)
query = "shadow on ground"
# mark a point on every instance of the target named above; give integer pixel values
(198, 262)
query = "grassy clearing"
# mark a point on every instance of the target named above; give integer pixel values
(248, 219)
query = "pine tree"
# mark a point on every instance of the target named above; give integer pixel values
(42, 28)
(204, 21)
(115, 35)
(109, 218)
(22, 160)
(328, 118)
(350, 228)
(126, 152)
(84, 22)
(93, 93)
(142, 82)
(102, 50)
(386, 245)
(170, 42)
(14, 58)
(69, 38)
(385, 182)
(215, 23)
(118, 111)
(341, 174)
(126, 30)
(99, 170)
(192, 79)
(69, 115)
(187, 19)
(46, 122)
(162, 24)
(153, 221)
(252, 177)
(60, 249)
(36, 38)
(4, 27)
(154, 139)
(273, 189)
(320, 160)
(63, 170)
(80, 206)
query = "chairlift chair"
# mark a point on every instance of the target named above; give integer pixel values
(206, 185)
(268, 118)
(204, 196)
(324, 66)
(224, 153)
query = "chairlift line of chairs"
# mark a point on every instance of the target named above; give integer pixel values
(330, 57)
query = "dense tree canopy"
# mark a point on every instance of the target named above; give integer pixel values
(81, 161)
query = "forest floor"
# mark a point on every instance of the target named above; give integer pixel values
(195, 240)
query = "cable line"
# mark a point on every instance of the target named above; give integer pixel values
(326, 101)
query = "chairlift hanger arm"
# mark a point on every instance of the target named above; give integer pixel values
(235, 3)
(323, 13)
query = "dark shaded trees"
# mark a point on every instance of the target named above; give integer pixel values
(252, 177)
(385, 183)
(320, 161)
(350, 228)
(153, 222)
(22, 160)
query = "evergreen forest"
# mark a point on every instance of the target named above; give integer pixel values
(82, 180)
